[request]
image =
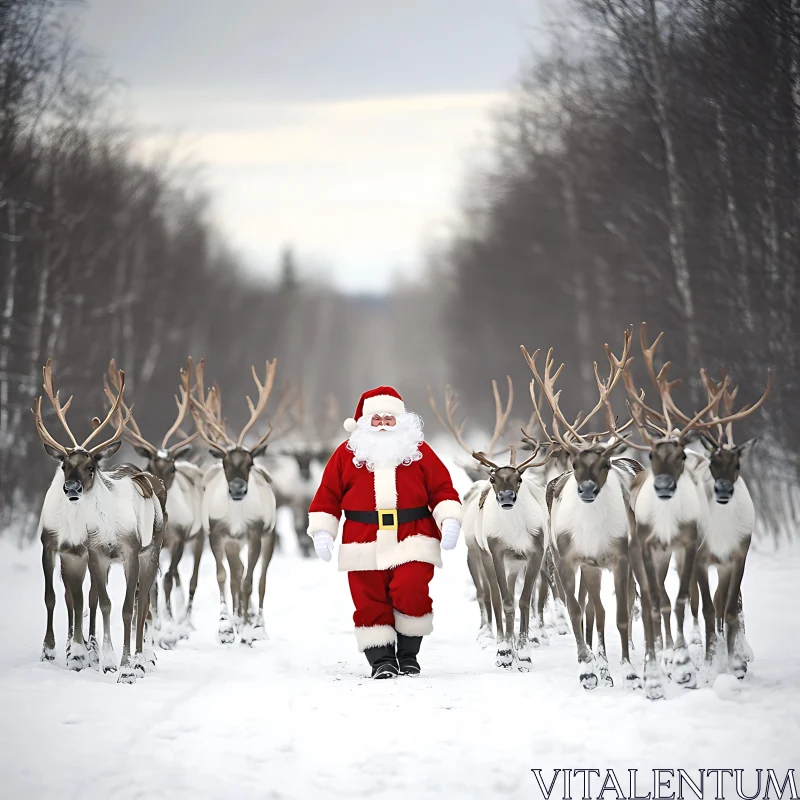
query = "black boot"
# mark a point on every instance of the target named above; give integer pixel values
(383, 661)
(407, 650)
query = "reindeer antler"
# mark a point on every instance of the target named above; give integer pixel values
(183, 404)
(131, 432)
(61, 411)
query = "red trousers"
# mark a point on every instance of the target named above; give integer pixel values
(391, 601)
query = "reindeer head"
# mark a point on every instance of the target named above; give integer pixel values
(666, 443)
(79, 462)
(725, 456)
(160, 460)
(505, 480)
(589, 459)
(237, 458)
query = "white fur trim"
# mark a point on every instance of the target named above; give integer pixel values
(448, 509)
(322, 521)
(383, 404)
(375, 636)
(360, 556)
(350, 425)
(385, 487)
(413, 626)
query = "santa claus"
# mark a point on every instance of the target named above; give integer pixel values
(396, 496)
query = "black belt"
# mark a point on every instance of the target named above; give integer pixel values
(388, 519)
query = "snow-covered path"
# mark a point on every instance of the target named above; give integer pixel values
(295, 717)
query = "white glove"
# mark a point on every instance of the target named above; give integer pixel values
(323, 544)
(450, 530)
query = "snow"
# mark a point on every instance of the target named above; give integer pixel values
(296, 717)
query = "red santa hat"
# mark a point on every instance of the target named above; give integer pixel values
(383, 400)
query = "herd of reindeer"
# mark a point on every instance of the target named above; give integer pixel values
(575, 504)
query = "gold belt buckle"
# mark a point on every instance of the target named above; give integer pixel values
(387, 519)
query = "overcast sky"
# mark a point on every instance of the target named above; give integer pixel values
(340, 126)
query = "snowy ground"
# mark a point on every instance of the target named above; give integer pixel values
(295, 717)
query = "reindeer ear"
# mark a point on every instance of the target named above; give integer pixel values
(259, 451)
(144, 452)
(53, 452)
(182, 452)
(216, 453)
(747, 446)
(108, 450)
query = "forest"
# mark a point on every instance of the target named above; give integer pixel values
(645, 167)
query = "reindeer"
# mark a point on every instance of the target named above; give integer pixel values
(504, 537)
(310, 453)
(589, 521)
(184, 484)
(238, 505)
(728, 526)
(92, 517)
(669, 507)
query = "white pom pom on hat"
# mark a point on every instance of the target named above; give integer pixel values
(383, 400)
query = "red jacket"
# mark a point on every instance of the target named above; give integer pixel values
(344, 486)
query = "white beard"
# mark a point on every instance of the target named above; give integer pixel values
(385, 446)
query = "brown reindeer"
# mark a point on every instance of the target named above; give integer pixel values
(588, 507)
(92, 517)
(238, 505)
(184, 484)
(504, 537)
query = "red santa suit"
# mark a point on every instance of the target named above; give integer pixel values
(389, 564)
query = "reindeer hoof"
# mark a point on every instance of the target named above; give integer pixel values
(738, 667)
(139, 665)
(632, 681)
(226, 634)
(653, 685)
(524, 662)
(246, 636)
(696, 637)
(604, 672)
(683, 671)
(78, 657)
(587, 674)
(504, 657)
(94, 652)
(48, 653)
(126, 674)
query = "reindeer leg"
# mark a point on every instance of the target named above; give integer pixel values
(73, 570)
(586, 671)
(531, 571)
(563, 620)
(736, 660)
(701, 576)
(742, 645)
(593, 577)
(622, 579)
(683, 671)
(588, 617)
(98, 567)
(48, 567)
(539, 633)
(267, 549)
(91, 645)
(131, 564)
(225, 632)
(236, 567)
(253, 553)
(70, 612)
(497, 603)
(662, 562)
(169, 635)
(641, 559)
(197, 553)
(505, 653)
(720, 597)
(148, 568)
(481, 593)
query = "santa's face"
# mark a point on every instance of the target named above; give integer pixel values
(386, 439)
(384, 422)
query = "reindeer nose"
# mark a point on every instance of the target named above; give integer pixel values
(723, 490)
(665, 486)
(587, 491)
(507, 498)
(237, 488)
(73, 490)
